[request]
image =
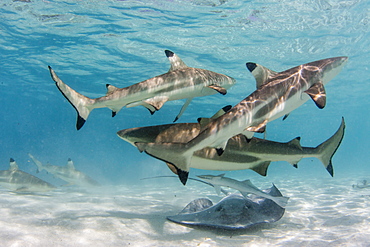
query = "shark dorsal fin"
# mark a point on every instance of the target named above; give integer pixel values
(262, 168)
(110, 88)
(204, 121)
(317, 94)
(13, 165)
(260, 73)
(176, 62)
(296, 142)
(70, 164)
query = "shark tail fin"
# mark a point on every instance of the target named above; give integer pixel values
(39, 165)
(327, 149)
(81, 103)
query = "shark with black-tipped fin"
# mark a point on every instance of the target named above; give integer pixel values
(255, 154)
(277, 95)
(20, 181)
(67, 173)
(180, 82)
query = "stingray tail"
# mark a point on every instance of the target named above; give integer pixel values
(327, 149)
(282, 201)
(81, 103)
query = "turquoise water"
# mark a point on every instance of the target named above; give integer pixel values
(91, 43)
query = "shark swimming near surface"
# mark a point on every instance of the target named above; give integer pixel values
(20, 181)
(277, 95)
(180, 82)
(245, 187)
(255, 154)
(67, 173)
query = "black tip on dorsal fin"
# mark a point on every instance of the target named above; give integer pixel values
(227, 108)
(114, 113)
(251, 66)
(295, 165)
(169, 53)
(107, 85)
(12, 160)
(80, 122)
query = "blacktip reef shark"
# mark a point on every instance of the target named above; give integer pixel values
(277, 95)
(240, 153)
(245, 187)
(67, 173)
(20, 181)
(180, 82)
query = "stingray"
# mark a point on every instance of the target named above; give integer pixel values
(233, 212)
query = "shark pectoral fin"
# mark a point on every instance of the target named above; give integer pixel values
(260, 73)
(176, 62)
(259, 128)
(172, 168)
(157, 102)
(317, 94)
(262, 168)
(219, 89)
(172, 153)
(183, 108)
(151, 108)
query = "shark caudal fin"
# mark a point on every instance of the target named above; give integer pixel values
(327, 149)
(80, 102)
(39, 165)
(174, 154)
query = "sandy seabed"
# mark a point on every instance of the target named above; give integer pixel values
(319, 213)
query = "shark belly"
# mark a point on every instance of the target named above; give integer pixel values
(221, 165)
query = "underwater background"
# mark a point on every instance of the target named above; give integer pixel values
(92, 43)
